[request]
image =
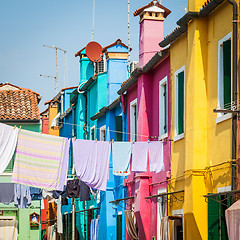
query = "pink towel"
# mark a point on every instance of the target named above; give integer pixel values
(139, 156)
(156, 156)
(91, 161)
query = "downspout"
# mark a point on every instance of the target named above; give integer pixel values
(234, 91)
(85, 121)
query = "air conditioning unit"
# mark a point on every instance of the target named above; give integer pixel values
(133, 66)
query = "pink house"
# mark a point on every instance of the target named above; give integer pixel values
(148, 100)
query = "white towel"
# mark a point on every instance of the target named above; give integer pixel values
(121, 154)
(8, 142)
(156, 156)
(139, 156)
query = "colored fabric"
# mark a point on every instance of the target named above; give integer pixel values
(41, 160)
(6, 193)
(8, 142)
(91, 161)
(139, 156)
(84, 192)
(59, 215)
(22, 196)
(56, 194)
(121, 154)
(131, 224)
(36, 193)
(156, 156)
(232, 215)
(94, 226)
(8, 229)
(73, 188)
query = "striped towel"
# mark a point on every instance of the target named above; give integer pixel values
(41, 160)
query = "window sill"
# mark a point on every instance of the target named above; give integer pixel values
(223, 118)
(178, 137)
(163, 136)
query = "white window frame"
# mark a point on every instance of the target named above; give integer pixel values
(221, 116)
(103, 128)
(163, 190)
(178, 136)
(178, 212)
(133, 131)
(92, 128)
(162, 109)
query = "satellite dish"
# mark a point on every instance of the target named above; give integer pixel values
(94, 51)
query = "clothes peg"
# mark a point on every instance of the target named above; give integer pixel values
(96, 140)
(148, 141)
(14, 127)
(20, 128)
(112, 140)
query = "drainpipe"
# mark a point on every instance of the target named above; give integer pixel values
(85, 121)
(234, 91)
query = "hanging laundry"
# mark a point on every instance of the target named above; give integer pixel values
(46, 193)
(156, 156)
(8, 229)
(121, 154)
(22, 196)
(73, 188)
(41, 160)
(63, 193)
(8, 142)
(139, 156)
(91, 161)
(131, 224)
(84, 192)
(6, 193)
(94, 226)
(36, 193)
(59, 215)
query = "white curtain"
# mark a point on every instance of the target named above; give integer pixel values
(8, 229)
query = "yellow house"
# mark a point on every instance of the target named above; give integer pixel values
(203, 150)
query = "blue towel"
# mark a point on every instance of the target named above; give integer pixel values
(121, 154)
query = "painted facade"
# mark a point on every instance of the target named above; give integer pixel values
(201, 152)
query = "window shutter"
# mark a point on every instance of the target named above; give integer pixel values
(213, 218)
(165, 107)
(180, 102)
(118, 127)
(119, 227)
(227, 72)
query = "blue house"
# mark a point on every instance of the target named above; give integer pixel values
(98, 115)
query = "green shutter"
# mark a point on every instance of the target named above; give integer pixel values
(213, 218)
(9, 168)
(180, 102)
(119, 227)
(227, 72)
(118, 127)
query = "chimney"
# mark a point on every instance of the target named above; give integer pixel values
(151, 29)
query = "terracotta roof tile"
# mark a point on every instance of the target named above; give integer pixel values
(138, 11)
(19, 104)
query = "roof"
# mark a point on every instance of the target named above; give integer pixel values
(117, 42)
(18, 103)
(155, 60)
(140, 10)
(79, 52)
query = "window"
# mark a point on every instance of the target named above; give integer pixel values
(161, 210)
(133, 120)
(178, 224)
(224, 73)
(179, 102)
(163, 108)
(103, 133)
(92, 131)
(100, 66)
(118, 128)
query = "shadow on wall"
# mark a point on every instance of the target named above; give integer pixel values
(141, 231)
(190, 223)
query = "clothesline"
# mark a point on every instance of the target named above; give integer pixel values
(135, 134)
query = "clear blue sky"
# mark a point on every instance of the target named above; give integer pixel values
(26, 25)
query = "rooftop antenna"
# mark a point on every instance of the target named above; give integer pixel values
(129, 57)
(93, 20)
(185, 9)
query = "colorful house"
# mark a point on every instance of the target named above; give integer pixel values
(19, 106)
(96, 91)
(148, 119)
(203, 77)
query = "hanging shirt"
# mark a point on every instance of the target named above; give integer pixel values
(6, 193)
(139, 156)
(121, 154)
(94, 229)
(8, 142)
(41, 160)
(22, 196)
(84, 192)
(156, 156)
(91, 161)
